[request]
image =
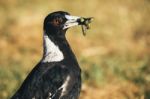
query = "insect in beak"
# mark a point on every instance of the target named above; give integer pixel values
(85, 24)
(75, 20)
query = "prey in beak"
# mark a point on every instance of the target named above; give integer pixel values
(75, 20)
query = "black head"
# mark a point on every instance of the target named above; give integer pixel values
(57, 23)
(54, 22)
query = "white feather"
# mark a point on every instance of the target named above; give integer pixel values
(64, 86)
(52, 53)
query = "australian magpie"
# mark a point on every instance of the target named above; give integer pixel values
(57, 75)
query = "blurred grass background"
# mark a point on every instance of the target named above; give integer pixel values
(114, 56)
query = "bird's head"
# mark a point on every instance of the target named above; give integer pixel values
(57, 23)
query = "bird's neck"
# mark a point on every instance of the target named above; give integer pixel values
(56, 49)
(51, 51)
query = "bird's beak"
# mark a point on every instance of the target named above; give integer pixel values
(71, 21)
(75, 20)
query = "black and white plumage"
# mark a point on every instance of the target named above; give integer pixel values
(57, 75)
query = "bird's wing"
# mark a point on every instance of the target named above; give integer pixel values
(57, 81)
(47, 83)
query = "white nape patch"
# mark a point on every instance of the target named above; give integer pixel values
(52, 53)
(64, 86)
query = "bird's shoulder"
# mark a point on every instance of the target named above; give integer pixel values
(47, 80)
(53, 72)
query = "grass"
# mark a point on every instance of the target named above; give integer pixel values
(114, 56)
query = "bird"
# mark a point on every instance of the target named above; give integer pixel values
(58, 74)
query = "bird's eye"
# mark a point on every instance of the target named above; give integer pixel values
(60, 20)
(56, 21)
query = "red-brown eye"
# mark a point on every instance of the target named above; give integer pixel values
(57, 21)
(60, 20)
